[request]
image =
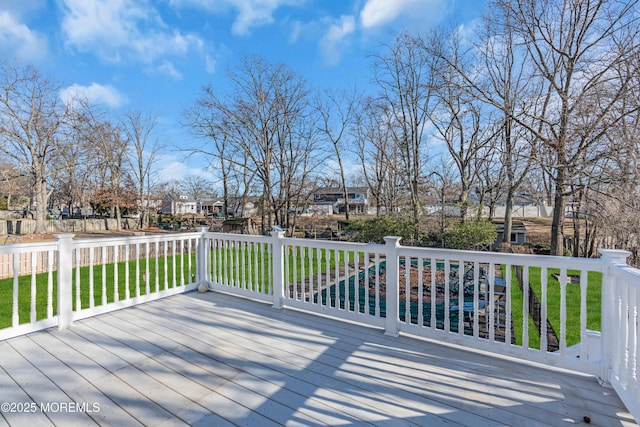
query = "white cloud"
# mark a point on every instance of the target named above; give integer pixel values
(376, 13)
(123, 30)
(333, 40)
(169, 69)
(170, 168)
(20, 40)
(250, 13)
(94, 93)
(210, 64)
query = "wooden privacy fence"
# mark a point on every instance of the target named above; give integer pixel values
(28, 226)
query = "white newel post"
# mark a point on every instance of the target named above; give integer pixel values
(65, 275)
(610, 344)
(201, 256)
(277, 259)
(392, 243)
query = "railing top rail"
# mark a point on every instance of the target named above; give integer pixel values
(117, 241)
(332, 244)
(237, 237)
(591, 264)
(627, 273)
(28, 247)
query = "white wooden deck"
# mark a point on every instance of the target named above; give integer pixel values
(215, 360)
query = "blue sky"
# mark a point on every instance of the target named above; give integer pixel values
(154, 55)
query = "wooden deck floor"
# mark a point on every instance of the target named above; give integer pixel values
(215, 360)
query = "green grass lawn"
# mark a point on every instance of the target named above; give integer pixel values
(553, 297)
(104, 285)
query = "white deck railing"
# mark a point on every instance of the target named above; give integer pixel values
(580, 314)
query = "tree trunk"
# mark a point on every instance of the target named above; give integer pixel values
(508, 218)
(41, 206)
(557, 226)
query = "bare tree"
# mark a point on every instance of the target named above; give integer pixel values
(196, 186)
(211, 119)
(378, 156)
(142, 152)
(31, 125)
(459, 124)
(577, 49)
(441, 180)
(491, 181)
(264, 128)
(509, 89)
(406, 80)
(106, 151)
(337, 112)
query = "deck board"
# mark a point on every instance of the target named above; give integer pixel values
(213, 359)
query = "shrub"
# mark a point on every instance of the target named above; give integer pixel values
(374, 230)
(3, 204)
(469, 234)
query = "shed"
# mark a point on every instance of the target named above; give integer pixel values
(518, 233)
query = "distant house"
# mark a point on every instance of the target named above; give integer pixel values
(327, 201)
(245, 207)
(212, 207)
(179, 205)
(518, 234)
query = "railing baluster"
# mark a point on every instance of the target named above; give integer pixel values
(433, 321)
(182, 263)
(116, 291)
(461, 277)
(156, 248)
(356, 282)
(507, 308)
(242, 248)
(77, 254)
(14, 302)
(563, 311)
(91, 278)
(294, 280)
(492, 298)
(337, 257)
(345, 295)
(50, 263)
(544, 302)
(32, 308)
(174, 274)
(165, 252)
(525, 306)
(476, 299)
(147, 276)
(214, 260)
(248, 256)
(584, 279)
(191, 248)
(127, 275)
(447, 295)
(303, 291)
(103, 254)
(137, 269)
(376, 270)
(407, 290)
